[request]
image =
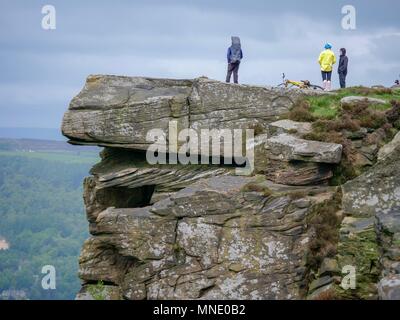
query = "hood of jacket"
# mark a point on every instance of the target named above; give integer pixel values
(236, 42)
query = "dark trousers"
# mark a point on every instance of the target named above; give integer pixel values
(342, 79)
(233, 68)
(326, 75)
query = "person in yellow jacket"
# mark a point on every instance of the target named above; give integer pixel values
(326, 60)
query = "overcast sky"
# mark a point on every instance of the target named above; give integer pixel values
(42, 70)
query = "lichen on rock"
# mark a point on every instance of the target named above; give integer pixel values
(202, 231)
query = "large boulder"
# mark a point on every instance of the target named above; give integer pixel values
(287, 159)
(352, 100)
(371, 231)
(220, 238)
(375, 192)
(290, 127)
(191, 231)
(124, 179)
(120, 111)
(297, 173)
(387, 149)
(286, 147)
(389, 288)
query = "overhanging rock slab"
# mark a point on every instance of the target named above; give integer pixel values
(119, 111)
(285, 147)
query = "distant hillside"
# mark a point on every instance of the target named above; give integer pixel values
(42, 218)
(32, 133)
(33, 145)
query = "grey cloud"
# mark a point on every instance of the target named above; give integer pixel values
(42, 70)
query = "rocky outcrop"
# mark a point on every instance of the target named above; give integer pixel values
(186, 230)
(389, 148)
(298, 173)
(220, 238)
(375, 192)
(289, 127)
(389, 288)
(285, 147)
(370, 232)
(295, 161)
(120, 111)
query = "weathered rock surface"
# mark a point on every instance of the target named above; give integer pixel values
(358, 249)
(370, 232)
(375, 192)
(389, 148)
(120, 111)
(389, 288)
(215, 239)
(351, 100)
(329, 267)
(190, 231)
(285, 158)
(124, 169)
(319, 283)
(290, 127)
(286, 147)
(297, 173)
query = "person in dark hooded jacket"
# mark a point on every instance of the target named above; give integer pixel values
(342, 70)
(234, 56)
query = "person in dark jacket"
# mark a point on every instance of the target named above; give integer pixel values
(342, 70)
(234, 56)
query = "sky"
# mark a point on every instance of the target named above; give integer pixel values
(42, 70)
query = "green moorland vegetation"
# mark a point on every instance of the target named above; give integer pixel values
(328, 106)
(371, 125)
(42, 220)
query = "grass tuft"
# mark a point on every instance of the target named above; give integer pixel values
(325, 223)
(301, 112)
(254, 187)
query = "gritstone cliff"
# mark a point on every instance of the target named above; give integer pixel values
(187, 231)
